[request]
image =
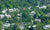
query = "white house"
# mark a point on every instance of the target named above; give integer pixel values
(48, 4)
(1, 16)
(14, 9)
(2, 27)
(29, 26)
(19, 16)
(13, 24)
(34, 26)
(48, 14)
(11, 10)
(37, 6)
(21, 26)
(46, 27)
(32, 13)
(29, 7)
(7, 24)
(39, 20)
(8, 16)
(4, 11)
(42, 7)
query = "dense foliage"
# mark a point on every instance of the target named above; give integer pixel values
(20, 4)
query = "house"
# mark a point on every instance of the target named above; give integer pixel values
(37, 6)
(7, 24)
(48, 14)
(1, 16)
(4, 11)
(29, 7)
(32, 13)
(46, 27)
(25, 23)
(29, 26)
(2, 27)
(14, 9)
(48, 4)
(34, 27)
(24, 8)
(21, 26)
(32, 21)
(39, 20)
(8, 16)
(19, 16)
(11, 10)
(13, 25)
(29, 23)
(42, 7)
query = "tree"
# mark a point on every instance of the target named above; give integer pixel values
(39, 26)
(1, 24)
